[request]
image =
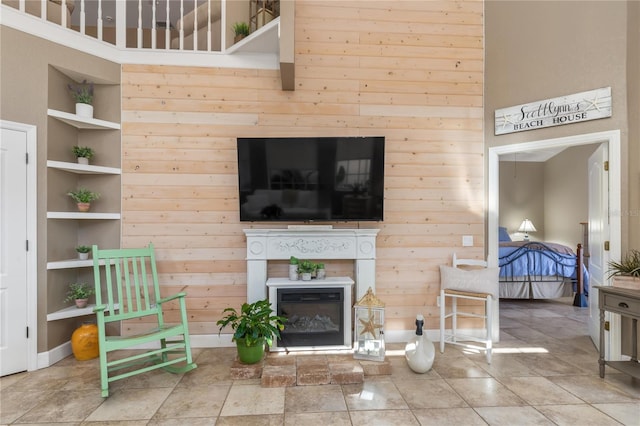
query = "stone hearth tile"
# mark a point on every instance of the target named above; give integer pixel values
(280, 358)
(240, 370)
(346, 372)
(312, 360)
(274, 376)
(376, 368)
(313, 374)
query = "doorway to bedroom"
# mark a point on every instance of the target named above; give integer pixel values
(602, 207)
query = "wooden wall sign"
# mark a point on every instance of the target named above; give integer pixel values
(568, 109)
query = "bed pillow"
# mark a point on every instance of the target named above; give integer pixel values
(503, 235)
(481, 280)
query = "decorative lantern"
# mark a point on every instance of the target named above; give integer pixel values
(369, 328)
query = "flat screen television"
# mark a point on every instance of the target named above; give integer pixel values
(311, 179)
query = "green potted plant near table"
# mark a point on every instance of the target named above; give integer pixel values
(82, 93)
(253, 327)
(241, 30)
(306, 268)
(83, 198)
(626, 272)
(79, 293)
(83, 154)
(293, 268)
(83, 252)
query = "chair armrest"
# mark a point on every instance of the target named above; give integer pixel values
(100, 308)
(170, 298)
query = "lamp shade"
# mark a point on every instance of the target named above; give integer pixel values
(527, 226)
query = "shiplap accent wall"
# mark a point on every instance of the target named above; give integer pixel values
(410, 71)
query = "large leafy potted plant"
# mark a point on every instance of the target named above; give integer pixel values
(253, 326)
(626, 272)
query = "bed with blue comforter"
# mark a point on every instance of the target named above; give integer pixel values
(540, 270)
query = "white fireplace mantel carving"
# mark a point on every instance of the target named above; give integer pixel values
(311, 242)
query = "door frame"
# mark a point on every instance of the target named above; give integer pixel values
(612, 138)
(32, 236)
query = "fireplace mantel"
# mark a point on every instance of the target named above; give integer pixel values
(310, 242)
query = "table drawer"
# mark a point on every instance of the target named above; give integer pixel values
(615, 303)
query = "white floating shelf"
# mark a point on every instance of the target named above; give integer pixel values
(72, 312)
(83, 169)
(71, 263)
(83, 122)
(80, 215)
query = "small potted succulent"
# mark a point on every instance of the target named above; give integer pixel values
(320, 271)
(306, 268)
(626, 272)
(83, 198)
(79, 293)
(83, 252)
(82, 93)
(293, 268)
(83, 154)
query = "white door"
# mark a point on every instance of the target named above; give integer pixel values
(599, 233)
(13, 252)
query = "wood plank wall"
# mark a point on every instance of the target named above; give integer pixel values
(411, 71)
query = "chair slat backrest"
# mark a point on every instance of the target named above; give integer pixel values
(468, 262)
(128, 281)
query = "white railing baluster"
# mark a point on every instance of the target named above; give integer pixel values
(99, 19)
(195, 25)
(167, 29)
(43, 10)
(153, 24)
(181, 35)
(21, 5)
(208, 25)
(139, 24)
(121, 24)
(83, 18)
(63, 13)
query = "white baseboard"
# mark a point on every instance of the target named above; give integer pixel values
(47, 359)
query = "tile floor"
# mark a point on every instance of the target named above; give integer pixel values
(544, 372)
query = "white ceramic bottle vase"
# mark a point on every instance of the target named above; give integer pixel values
(420, 351)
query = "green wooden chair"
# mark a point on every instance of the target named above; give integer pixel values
(127, 289)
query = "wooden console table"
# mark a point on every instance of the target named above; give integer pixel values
(625, 302)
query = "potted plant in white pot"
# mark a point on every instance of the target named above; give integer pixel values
(83, 252)
(626, 273)
(306, 268)
(254, 326)
(83, 198)
(82, 93)
(79, 293)
(83, 154)
(293, 268)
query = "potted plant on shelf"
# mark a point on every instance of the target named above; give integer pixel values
(293, 268)
(83, 252)
(83, 197)
(82, 93)
(83, 154)
(253, 326)
(626, 273)
(241, 29)
(320, 271)
(305, 268)
(79, 292)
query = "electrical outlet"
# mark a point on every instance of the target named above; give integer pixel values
(467, 241)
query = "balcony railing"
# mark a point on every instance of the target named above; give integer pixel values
(186, 32)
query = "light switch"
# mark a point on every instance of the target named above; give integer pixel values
(467, 241)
